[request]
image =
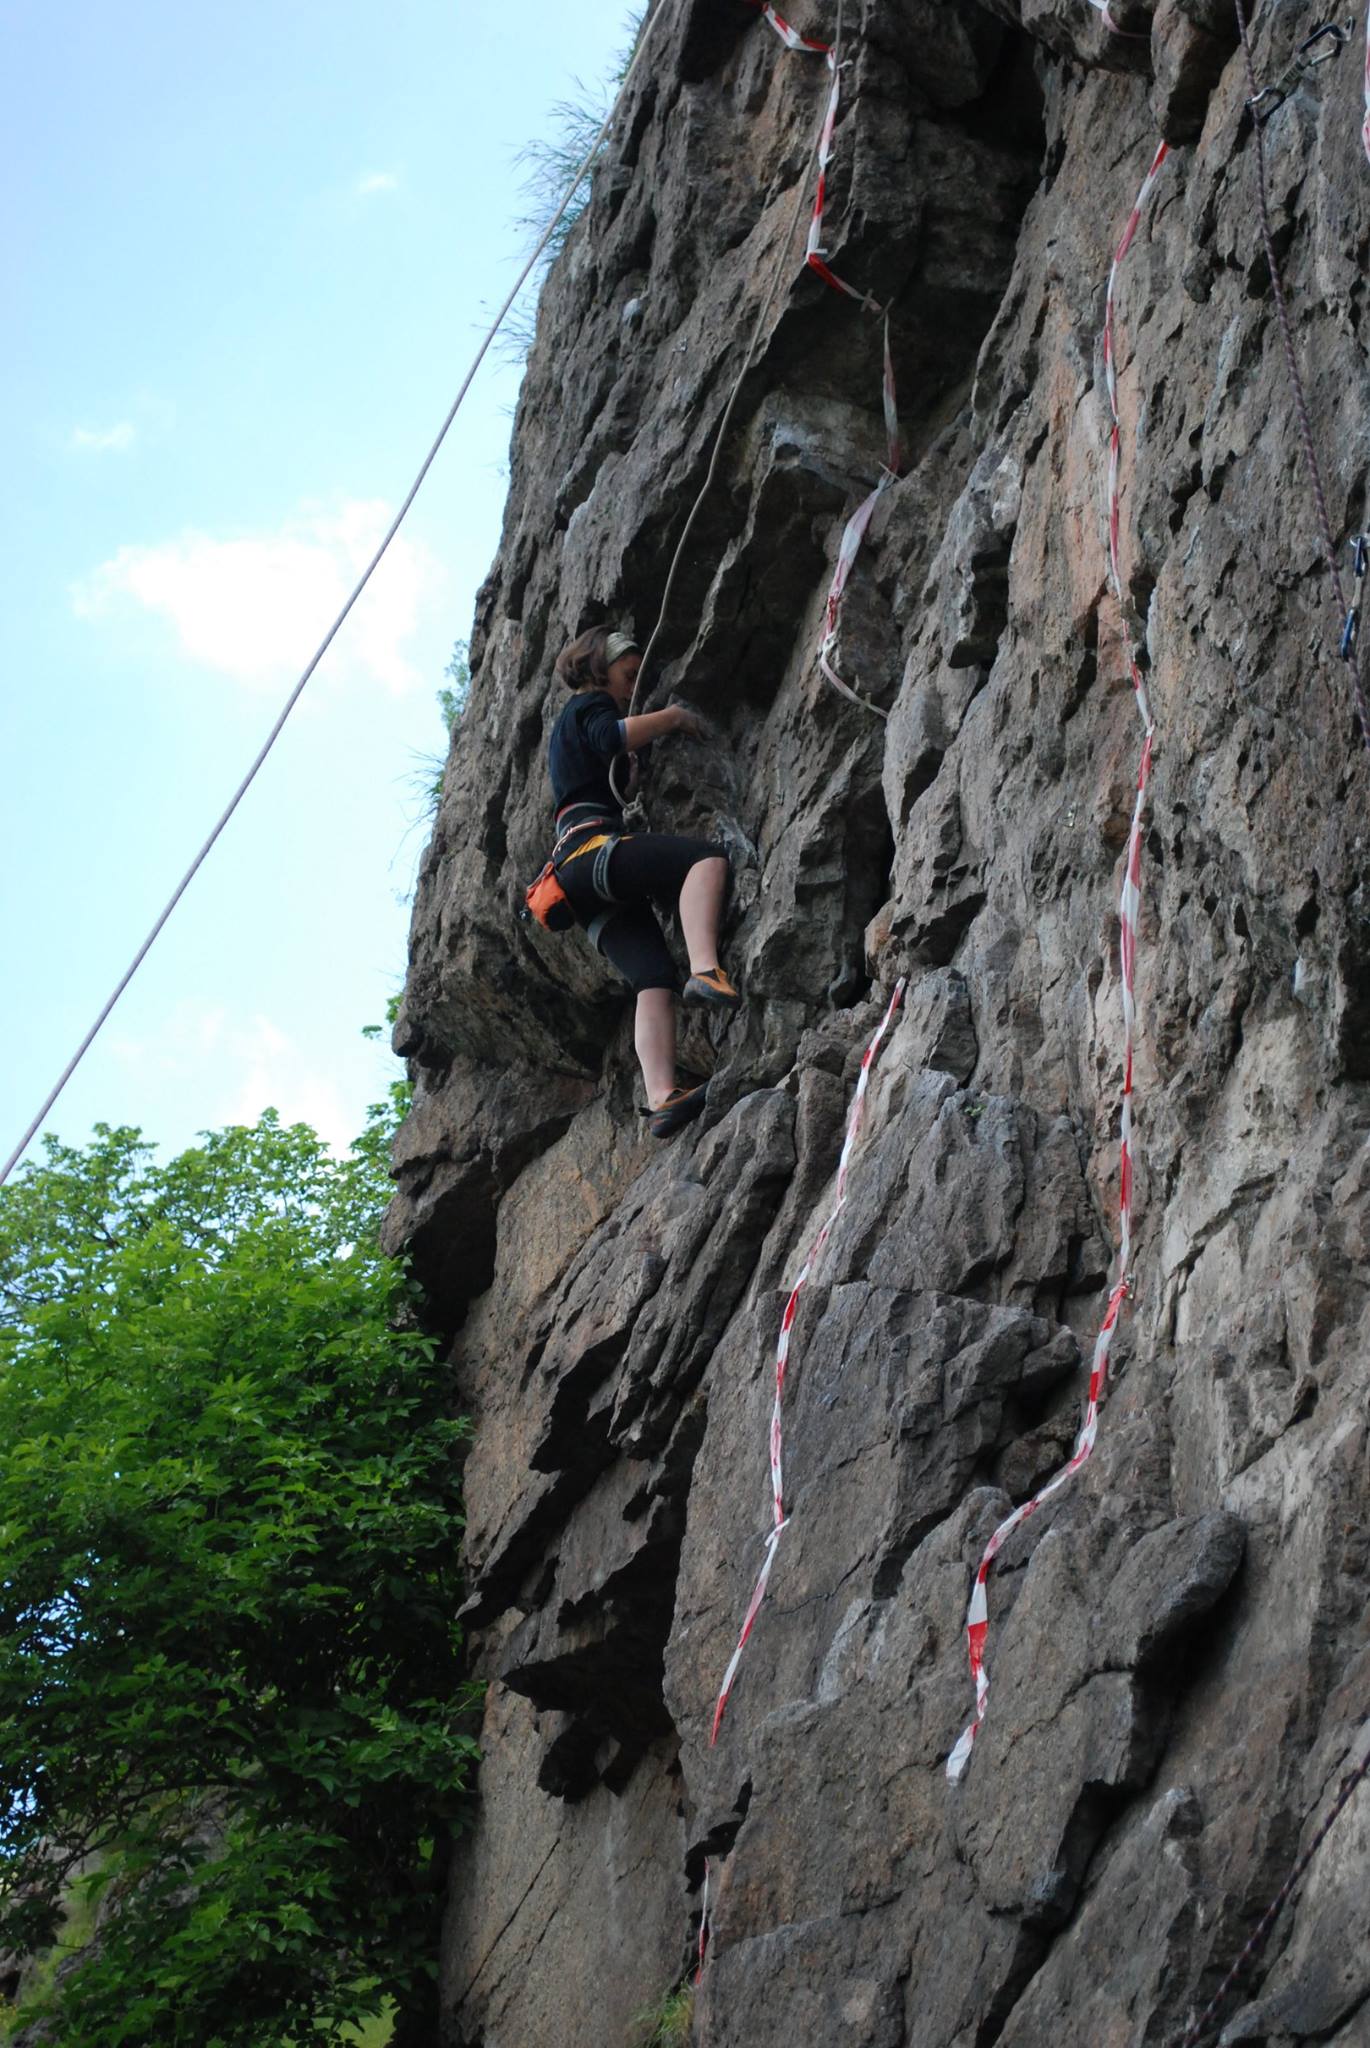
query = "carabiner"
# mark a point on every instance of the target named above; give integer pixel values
(1331, 36)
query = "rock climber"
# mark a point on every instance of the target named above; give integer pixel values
(611, 877)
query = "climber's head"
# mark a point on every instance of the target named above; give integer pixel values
(602, 659)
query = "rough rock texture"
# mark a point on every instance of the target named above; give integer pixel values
(1180, 1654)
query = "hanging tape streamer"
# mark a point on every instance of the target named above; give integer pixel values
(780, 1519)
(853, 535)
(790, 37)
(1114, 499)
(1129, 910)
(815, 256)
(855, 530)
(703, 1926)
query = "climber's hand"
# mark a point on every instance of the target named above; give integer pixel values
(688, 724)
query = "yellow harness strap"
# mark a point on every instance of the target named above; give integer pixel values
(602, 839)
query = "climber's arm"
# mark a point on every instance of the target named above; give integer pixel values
(658, 725)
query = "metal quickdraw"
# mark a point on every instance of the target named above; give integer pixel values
(1360, 560)
(1326, 41)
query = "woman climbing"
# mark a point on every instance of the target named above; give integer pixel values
(610, 877)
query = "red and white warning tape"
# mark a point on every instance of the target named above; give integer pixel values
(703, 1947)
(894, 449)
(780, 1519)
(790, 37)
(1129, 909)
(815, 255)
(1115, 427)
(855, 530)
(853, 535)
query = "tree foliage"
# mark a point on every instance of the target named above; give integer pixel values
(229, 1539)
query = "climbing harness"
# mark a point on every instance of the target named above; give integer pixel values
(1261, 1932)
(779, 1518)
(546, 900)
(1129, 907)
(644, 38)
(1310, 453)
(1328, 40)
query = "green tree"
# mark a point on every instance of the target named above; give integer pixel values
(229, 1543)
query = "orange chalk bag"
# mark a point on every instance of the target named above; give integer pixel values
(547, 901)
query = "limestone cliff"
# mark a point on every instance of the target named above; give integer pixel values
(1180, 1655)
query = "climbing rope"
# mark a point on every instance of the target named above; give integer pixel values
(1310, 453)
(1365, 124)
(815, 258)
(1261, 1932)
(297, 692)
(779, 1517)
(1129, 910)
(797, 42)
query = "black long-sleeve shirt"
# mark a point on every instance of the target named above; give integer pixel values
(587, 736)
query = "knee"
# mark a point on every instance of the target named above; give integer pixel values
(714, 864)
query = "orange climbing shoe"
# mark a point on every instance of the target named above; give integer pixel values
(681, 1107)
(714, 988)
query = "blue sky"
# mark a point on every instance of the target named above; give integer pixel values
(249, 250)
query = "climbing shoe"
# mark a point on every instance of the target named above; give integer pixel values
(681, 1107)
(714, 988)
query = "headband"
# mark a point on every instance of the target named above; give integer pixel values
(618, 644)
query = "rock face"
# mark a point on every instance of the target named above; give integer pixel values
(1179, 1651)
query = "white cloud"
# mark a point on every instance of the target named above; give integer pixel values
(254, 607)
(254, 1066)
(279, 1075)
(377, 181)
(104, 440)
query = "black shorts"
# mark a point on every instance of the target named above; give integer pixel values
(646, 867)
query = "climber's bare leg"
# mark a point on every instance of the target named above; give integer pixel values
(654, 1038)
(701, 906)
